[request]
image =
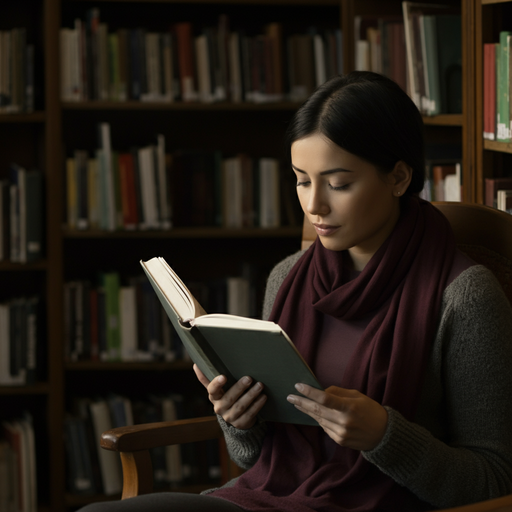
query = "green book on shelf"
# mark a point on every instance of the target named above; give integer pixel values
(110, 285)
(503, 128)
(234, 346)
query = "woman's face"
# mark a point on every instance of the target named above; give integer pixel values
(349, 202)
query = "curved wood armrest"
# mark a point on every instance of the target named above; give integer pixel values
(133, 444)
(153, 435)
(503, 504)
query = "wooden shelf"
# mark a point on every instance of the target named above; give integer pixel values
(36, 265)
(33, 117)
(127, 366)
(444, 120)
(179, 105)
(490, 2)
(503, 147)
(230, 2)
(206, 232)
(42, 388)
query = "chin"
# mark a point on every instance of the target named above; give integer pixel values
(331, 244)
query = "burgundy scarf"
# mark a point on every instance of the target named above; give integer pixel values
(408, 274)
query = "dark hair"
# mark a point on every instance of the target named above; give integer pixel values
(368, 115)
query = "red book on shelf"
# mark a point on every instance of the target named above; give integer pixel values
(128, 192)
(489, 90)
(186, 61)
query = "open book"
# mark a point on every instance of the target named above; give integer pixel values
(234, 346)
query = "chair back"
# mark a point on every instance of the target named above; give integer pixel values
(483, 233)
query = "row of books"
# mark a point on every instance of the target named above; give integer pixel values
(20, 341)
(145, 188)
(16, 72)
(421, 51)
(498, 193)
(93, 470)
(18, 477)
(191, 63)
(497, 107)
(442, 181)
(112, 190)
(113, 320)
(21, 215)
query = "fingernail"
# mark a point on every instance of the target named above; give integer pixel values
(299, 387)
(221, 379)
(258, 386)
(291, 399)
(247, 380)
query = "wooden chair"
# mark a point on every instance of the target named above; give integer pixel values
(484, 233)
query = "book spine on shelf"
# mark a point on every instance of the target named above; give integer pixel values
(503, 128)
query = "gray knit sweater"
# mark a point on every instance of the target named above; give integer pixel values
(459, 449)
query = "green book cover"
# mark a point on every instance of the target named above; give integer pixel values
(234, 346)
(110, 282)
(434, 90)
(503, 128)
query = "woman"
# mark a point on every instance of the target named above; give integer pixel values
(410, 339)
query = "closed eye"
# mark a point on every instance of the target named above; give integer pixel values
(303, 183)
(341, 187)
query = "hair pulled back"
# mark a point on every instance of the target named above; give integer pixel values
(367, 115)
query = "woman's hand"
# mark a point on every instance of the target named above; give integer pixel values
(348, 417)
(239, 405)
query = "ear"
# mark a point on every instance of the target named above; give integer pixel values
(400, 178)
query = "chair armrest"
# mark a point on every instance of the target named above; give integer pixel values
(154, 435)
(133, 444)
(503, 504)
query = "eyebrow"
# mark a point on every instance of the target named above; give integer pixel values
(323, 173)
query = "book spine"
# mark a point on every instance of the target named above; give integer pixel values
(503, 129)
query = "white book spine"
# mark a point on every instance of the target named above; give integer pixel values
(109, 177)
(148, 186)
(128, 311)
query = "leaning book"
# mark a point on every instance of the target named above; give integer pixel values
(234, 346)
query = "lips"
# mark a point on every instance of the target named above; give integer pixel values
(325, 229)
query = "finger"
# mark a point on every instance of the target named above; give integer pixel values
(327, 399)
(326, 409)
(248, 417)
(201, 376)
(238, 398)
(215, 388)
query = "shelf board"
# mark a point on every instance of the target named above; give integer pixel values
(41, 388)
(127, 366)
(489, 2)
(205, 232)
(35, 265)
(33, 117)
(236, 2)
(179, 105)
(504, 147)
(444, 120)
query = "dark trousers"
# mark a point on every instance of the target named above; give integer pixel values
(165, 502)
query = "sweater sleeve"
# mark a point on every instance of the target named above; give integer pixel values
(473, 462)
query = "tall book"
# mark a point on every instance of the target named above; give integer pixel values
(489, 91)
(503, 127)
(234, 346)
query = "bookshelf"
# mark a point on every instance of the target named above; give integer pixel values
(492, 157)
(43, 138)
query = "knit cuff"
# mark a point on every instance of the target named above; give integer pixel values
(401, 450)
(244, 446)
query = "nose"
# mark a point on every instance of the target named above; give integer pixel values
(317, 204)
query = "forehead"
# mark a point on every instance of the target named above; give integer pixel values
(316, 153)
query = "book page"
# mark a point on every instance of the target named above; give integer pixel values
(171, 286)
